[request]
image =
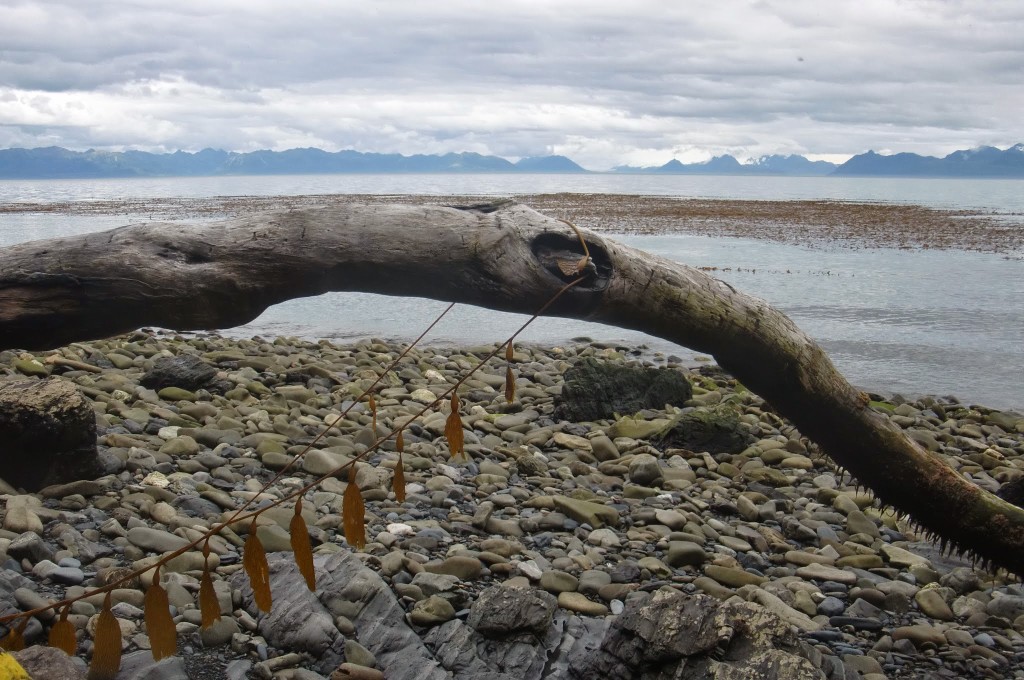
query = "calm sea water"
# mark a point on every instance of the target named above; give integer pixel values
(937, 322)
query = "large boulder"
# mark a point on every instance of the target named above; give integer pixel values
(669, 634)
(186, 371)
(595, 390)
(500, 612)
(712, 429)
(47, 434)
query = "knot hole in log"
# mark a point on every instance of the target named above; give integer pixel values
(551, 248)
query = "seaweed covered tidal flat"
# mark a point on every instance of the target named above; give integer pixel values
(813, 223)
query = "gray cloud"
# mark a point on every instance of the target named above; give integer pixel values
(604, 82)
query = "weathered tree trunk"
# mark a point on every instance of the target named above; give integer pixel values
(498, 256)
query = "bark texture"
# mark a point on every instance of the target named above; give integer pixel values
(500, 256)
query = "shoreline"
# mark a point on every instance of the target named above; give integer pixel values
(677, 357)
(813, 224)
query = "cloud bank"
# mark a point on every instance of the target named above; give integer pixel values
(606, 83)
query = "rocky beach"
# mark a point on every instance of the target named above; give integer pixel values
(631, 514)
(698, 535)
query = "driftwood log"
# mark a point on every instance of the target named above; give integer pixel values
(501, 256)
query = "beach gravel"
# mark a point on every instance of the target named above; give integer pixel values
(561, 548)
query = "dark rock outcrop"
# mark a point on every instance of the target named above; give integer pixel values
(498, 644)
(185, 371)
(594, 390)
(500, 612)
(519, 633)
(304, 621)
(715, 430)
(47, 434)
(669, 634)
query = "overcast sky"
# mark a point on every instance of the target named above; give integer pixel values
(605, 83)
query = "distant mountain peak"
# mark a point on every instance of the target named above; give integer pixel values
(981, 161)
(727, 164)
(54, 162)
(548, 164)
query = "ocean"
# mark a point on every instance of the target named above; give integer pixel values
(923, 321)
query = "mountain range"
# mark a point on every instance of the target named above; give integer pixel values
(58, 163)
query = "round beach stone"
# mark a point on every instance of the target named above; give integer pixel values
(735, 543)
(931, 602)
(176, 394)
(558, 582)
(461, 566)
(733, 577)
(21, 519)
(858, 523)
(604, 538)
(155, 540)
(577, 602)
(70, 576)
(604, 449)
(823, 572)
(656, 567)
(900, 557)
(645, 470)
(220, 632)
(180, 446)
(432, 611)
(359, 655)
(919, 634)
(673, 519)
(685, 553)
(592, 580)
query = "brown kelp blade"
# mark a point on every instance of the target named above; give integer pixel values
(208, 605)
(509, 352)
(254, 560)
(398, 482)
(163, 638)
(302, 547)
(510, 385)
(353, 513)
(106, 649)
(14, 641)
(373, 411)
(453, 429)
(62, 634)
